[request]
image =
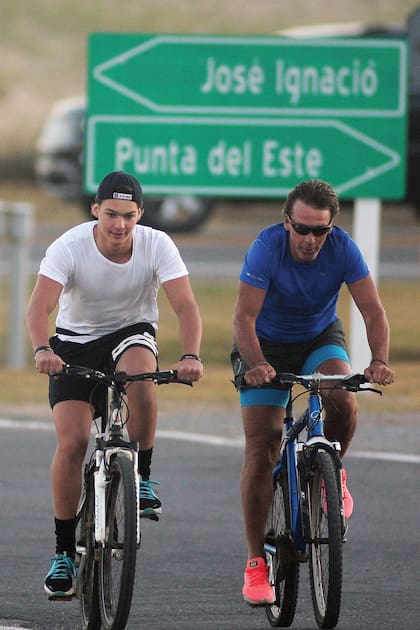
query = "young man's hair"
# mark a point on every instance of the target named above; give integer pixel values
(315, 193)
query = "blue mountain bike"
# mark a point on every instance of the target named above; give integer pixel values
(306, 520)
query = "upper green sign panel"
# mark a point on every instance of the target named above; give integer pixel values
(247, 116)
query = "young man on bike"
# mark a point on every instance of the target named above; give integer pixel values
(285, 321)
(104, 276)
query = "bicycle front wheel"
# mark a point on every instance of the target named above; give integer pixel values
(117, 564)
(283, 564)
(326, 549)
(87, 578)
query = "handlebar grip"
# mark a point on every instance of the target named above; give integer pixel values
(182, 382)
(285, 378)
(353, 382)
(174, 379)
(64, 370)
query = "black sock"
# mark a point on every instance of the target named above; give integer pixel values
(65, 536)
(145, 461)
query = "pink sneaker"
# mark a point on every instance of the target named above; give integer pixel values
(257, 590)
(347, 498)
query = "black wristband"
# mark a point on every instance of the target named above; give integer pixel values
(43, 348)
(190, 356)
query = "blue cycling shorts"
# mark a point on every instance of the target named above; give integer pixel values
(272, 397)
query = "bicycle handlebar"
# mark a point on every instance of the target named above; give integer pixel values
(350, 382)
(159, 378)
(316, 377)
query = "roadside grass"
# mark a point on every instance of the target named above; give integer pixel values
(27, 387)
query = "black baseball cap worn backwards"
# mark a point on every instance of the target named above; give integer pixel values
(120, 185)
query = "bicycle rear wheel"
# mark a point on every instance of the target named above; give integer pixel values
(87, 578)
(117, 564)
(283, 565)
(326, 550)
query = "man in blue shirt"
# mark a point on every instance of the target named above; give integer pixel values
(285, 320)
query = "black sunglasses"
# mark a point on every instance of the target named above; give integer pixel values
(304, 230)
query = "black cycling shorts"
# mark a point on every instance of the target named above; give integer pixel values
(100, 354)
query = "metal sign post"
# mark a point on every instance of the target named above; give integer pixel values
(366, 232)
(18, 226)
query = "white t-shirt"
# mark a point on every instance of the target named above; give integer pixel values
(100, 296)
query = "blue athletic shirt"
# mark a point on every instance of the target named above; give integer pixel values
(301, 298)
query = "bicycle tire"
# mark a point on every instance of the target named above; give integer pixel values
(283, 566)
(87, 579)
(117, 558)
(326, 549)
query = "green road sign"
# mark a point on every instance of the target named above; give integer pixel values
(260, 157)
(249, 116)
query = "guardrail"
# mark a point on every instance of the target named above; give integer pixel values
(16, 231)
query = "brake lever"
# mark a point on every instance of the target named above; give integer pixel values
(64, 370)
(175, 379)
(371, 389)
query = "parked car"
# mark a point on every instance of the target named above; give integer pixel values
(59, 170)
(59, 150)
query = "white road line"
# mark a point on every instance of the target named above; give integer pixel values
(212, 440)
(405, 458)
(26, 425)
(200, 438)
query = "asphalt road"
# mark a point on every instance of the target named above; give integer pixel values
(191, 563)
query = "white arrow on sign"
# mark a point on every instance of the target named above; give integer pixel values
(140, 62)
(143, 125)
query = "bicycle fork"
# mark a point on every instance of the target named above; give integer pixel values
(103, 457)
(101, 480)
(316, 441)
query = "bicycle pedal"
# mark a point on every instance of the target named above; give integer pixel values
(62, 598)
(150, 515)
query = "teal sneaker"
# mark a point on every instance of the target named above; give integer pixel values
(59, 579)
(150, 504)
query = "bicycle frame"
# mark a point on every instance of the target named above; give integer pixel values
(293, 452)
(110, 440)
